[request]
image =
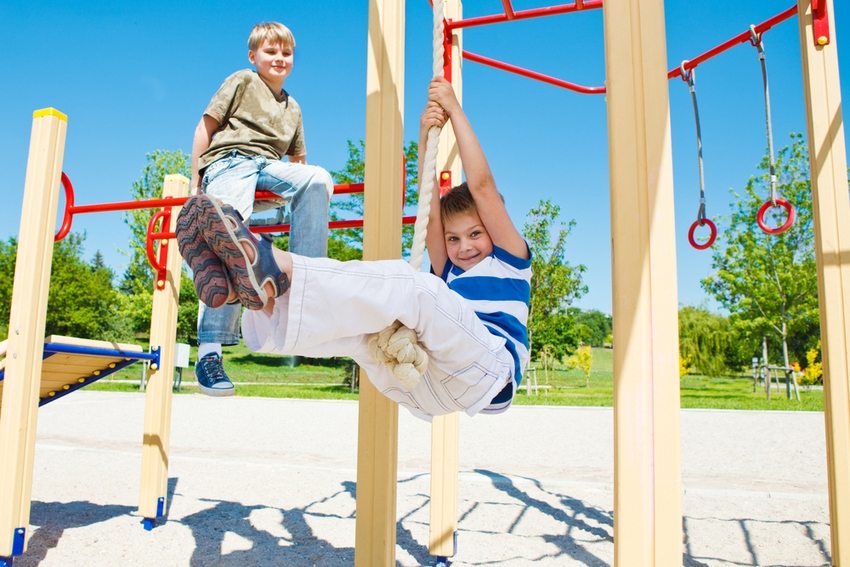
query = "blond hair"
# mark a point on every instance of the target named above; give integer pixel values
(272, 32)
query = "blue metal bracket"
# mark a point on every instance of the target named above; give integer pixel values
(5, 562)
(160, 504)
(442, 562)
(149, 523)
(155, 352)
(18, 540)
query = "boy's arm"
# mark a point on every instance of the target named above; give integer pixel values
(480, 179)
(203, 136)
(434, 239)
(298, 159)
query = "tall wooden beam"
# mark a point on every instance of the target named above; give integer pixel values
(377, 453)
(445, 429)
(647, 460)
(19, 412)
(831, 211)
(153, 495)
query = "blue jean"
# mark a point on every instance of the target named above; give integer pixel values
(306, 189)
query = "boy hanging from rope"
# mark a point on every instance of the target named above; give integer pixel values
(471, 320)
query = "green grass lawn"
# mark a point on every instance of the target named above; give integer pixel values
(280, 377)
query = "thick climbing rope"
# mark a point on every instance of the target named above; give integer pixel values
(397, 346)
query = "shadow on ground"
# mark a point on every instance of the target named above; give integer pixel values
(285, 536)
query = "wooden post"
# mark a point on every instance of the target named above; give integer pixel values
(377, 454)
(647, 460)
(445, 429)
(157, 433)
(19, 412)
(831, 211)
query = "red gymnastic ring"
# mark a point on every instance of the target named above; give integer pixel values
(788, 222)
(711, 237)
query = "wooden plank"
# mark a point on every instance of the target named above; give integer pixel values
(445, 429)
(377, 452)
(831, 214)
(19, 413)
(90, 343)
(647, 469)
(157, 429)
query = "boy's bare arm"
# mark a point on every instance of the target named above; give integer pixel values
(203, 136)
(480, 179)
(298, 159)
(433, 116)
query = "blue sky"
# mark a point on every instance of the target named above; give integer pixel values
(136, 77)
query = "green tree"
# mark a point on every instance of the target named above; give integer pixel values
(555, 284)
(705, 340)
(139, 274)
(594, 325)
(8, 253)
(347, 243)
(768, 283)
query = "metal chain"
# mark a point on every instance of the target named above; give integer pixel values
(758, 43)
(689, 76)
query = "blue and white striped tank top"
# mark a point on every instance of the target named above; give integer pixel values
(499, 291)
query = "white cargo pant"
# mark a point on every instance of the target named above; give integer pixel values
(331, 308)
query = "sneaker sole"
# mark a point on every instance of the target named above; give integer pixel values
(216, 392)
(221, 237)
(208, 273)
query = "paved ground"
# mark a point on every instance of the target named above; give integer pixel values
(261, 482)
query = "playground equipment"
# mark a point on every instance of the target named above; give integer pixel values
(647, 492)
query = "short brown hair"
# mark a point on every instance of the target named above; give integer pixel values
(273, 32)
(457, 201)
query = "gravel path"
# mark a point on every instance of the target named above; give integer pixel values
(263, 482)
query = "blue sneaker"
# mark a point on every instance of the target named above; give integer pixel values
(212, 379)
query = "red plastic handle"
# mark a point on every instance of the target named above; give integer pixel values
(792, 215)
(711, 237)
(68, 218)
(150, 240)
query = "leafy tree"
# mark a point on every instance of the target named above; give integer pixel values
(583, 360)
(8, 253)
(705, 340)
(139, 275)
(594, 325)
(555, 284)
(347, 244)
(768, 283)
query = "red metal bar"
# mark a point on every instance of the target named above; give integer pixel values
(509, 10)
(738, 39)
(353, 223)
(532, 74)
(526, 14)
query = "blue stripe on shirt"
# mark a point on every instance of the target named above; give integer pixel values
(492, 289)
(508, 323)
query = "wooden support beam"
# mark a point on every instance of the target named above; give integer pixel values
(153, 496)
(831, 212)
(647, 460)
(445, 429)
(19, 414)
(377, 452)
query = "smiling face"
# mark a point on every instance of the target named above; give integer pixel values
(273, 62)
(467, 241)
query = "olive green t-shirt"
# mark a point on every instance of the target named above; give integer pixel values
(253, 120)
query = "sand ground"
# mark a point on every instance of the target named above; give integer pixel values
(268, 482)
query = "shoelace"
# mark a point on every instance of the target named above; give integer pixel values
(211, 369)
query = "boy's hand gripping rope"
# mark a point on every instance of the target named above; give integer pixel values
(758, 43)
(689, 76)
(397, 346)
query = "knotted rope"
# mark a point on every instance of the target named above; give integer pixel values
(397, 346)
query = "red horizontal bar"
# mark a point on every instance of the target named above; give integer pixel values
(738, 39)
(353, 223)
(532, 74)
(525, 14)
(342, 189)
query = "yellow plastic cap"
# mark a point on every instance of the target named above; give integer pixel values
(50, 112)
